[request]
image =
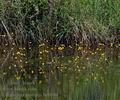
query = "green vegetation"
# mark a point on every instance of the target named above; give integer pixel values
(61, 20)
(59, 49)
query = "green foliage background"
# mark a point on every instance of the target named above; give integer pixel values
(41, 19)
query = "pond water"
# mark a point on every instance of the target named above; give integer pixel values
(59, 73)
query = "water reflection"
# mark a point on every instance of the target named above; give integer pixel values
(72, 72)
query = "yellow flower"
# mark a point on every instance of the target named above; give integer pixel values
(18, 53)
(26, 62)
(52, 48)
(13, 44)
(111, 44)
(60, 48)
(40, 52)
(102, 54)
(40, 58)
(4, 50)
(92, 53)
(32, 71)
(95, 78)
(46, 51)
(70, 46)
(21, 66)
(15, 57)
(43, 63)
(40, 45)
(78, 70)
(79, 48)
(101, 44)
(9, 67)
(17, 77)
(87, 58)
(4, 73)
(40, 82)
(103, 81)
(20, 60)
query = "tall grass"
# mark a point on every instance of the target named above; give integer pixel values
(83, 20)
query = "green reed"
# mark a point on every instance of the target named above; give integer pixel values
(81, 19)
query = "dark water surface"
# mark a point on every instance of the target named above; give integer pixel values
(59, 73)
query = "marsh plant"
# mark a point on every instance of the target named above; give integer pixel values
(59, 49)
(60, 21)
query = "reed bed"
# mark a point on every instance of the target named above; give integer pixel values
(60, 21)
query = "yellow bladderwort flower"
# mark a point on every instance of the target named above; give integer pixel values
(78, 70)
(17, 77)
(101, 44)
(13, 44)
(103, 81)
(52, 48)
(32, 71)
(21, 66)
(87, 58)
(26, 62)
(40, 45)
(77, 66)
(4, 73)
(40, 52)
(40, 82)
(79, 48)
(4, 50)
(18, 53)
(103, 54)
(97, 49)
(46, 51)
(95, 77)
(83, 67)
(111, 44)
(20, 60)
(60, 48)
(40, 58)
(70, 46)
(15, 57)
(12, 33)
(9, 67)
(69, 61)
(110, 61)
(43, 63)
